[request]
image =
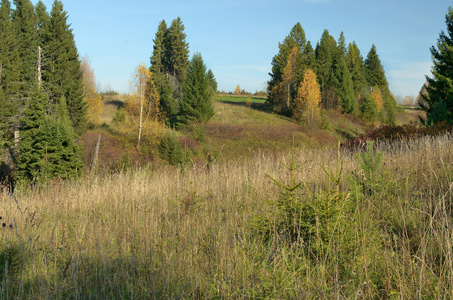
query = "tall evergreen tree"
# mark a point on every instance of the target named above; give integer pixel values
(325, 54)
(177, 49)
(354, 61)
(158, 58)
(212, 81)
(196, 105)
(9, 70)
(297, 38)
(24, 25)
(342, 84)
(42, 21)
(374, 71)
(309, 58)
(439, 90)
(62, 73)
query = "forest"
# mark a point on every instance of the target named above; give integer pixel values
(322, 186)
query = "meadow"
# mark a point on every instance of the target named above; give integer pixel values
(306, 223)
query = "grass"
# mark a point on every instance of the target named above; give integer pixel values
(187, 233)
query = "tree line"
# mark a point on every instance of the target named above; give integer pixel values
(41, 89)
(345, 80)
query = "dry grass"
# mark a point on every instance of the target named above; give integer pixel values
(185, 234)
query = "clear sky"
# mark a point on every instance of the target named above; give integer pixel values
(238, 38)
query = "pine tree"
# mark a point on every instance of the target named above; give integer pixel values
(61, 72)
(309, 57)
(439, 90)
(196, 105)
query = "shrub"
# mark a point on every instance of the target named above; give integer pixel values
(170, 150)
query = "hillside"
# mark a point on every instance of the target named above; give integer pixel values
(235, 131)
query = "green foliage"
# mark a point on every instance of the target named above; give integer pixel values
(440, 85)
(368, 109)
(248, 102)
(354, 61)
(196, 105)
(342, 83)
(170, 150)
(11, 260)
(374, 71)
(369, 162)
(439, 113)
(120, 116)
(62, 68)
(47, 148)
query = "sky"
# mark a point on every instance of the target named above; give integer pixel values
(239, 38)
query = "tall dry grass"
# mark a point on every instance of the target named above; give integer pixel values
(185, 233)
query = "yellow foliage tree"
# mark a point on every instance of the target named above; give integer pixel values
(238, 90)
(143, 104)
(90, 95)
(377, 98)
(289, 75)
(306, 105)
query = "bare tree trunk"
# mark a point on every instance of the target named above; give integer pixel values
(96, 152)
(39, 66)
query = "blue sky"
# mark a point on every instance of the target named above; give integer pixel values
(238, 38)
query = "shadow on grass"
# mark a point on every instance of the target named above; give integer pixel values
(118, 103)
(263, 106)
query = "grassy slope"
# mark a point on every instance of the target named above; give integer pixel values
(235, 131)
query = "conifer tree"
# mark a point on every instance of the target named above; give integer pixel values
(309, 57)
(158, 58)
(368, 109)
(47, 149)
(354, 61)
(24, 25)
(9, 70)
(374, 71)
(212, 81)
(62, 73)
(177, 49)
(439, 90)
(342, 84)
(325, 54)
(196, 105)
(297, 38)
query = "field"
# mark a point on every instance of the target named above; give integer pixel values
(192, 234)
(280, 213)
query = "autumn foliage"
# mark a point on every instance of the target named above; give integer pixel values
(90, 95)
(143, 106)
(306, 105)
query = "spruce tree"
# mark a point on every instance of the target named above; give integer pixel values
(342, 83)
(354, 61)
(325, 54)
(47, 149)
(440, 86)
(158, 58)
(212, 81)
(177, 50)
(9, 70)
(374, 71)
(24, 25)
(196, 105)
(62, 74)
